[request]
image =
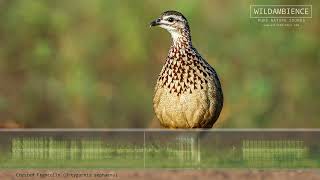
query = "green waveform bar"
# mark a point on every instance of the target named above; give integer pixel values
(160, 149)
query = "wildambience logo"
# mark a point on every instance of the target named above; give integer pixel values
(281, 15)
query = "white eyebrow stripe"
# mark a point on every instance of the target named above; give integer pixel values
(174, 16)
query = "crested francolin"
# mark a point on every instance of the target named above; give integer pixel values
(188, 92)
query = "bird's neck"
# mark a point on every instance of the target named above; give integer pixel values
(181, 38)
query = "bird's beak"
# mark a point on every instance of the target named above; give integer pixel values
(155, 23)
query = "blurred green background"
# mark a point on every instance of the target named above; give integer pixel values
(94, 63)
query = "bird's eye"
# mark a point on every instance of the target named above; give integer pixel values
(170, 19)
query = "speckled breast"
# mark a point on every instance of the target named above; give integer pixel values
(186, 110)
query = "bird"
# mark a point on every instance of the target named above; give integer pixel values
(188, 92)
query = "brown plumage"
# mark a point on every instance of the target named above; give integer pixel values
(188, 92)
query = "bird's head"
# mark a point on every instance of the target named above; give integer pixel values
(174, 22)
